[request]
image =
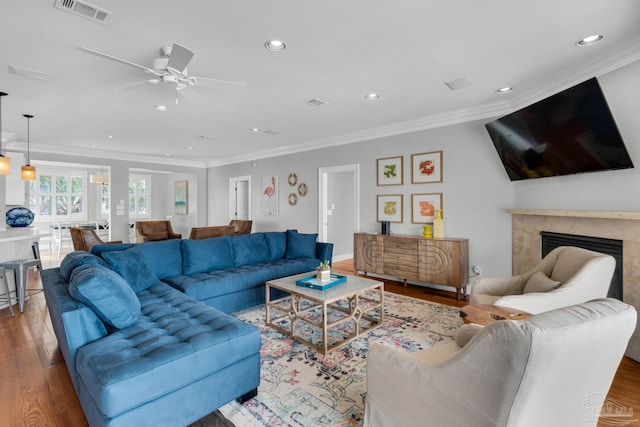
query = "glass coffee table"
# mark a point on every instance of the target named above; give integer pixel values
(334, 316)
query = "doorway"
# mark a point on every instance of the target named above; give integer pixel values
(339, 207)
(240, 197)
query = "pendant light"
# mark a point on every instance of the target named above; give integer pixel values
(102, 178)
(5, 162)
(28, 171)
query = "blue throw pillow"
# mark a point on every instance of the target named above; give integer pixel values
(249, 249)
(132, 266)
(300, 245)
(277, 244)
(202, 256)
(100, 249)
(163, 257)
(75, 259)
(106, 293)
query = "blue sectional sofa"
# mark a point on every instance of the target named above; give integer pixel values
(145, 329)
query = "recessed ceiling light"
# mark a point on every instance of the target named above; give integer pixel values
(167, 155)
(190, 148)
(275, 45)
(160, 108)
(371, 96)
(588, 41)
(505, 89)
(255, 130)
(109, 136)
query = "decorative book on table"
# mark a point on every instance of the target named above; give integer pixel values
(313, 283)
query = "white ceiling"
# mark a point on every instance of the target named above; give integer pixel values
(337, 51)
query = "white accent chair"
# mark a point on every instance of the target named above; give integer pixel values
(566, 276)
(551, 369)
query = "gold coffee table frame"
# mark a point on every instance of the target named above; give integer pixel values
(350, 290)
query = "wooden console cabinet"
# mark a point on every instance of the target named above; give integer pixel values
(438, 261)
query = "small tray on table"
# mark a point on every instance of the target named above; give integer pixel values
(313, 283)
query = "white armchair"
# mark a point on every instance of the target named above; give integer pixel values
(552, 369)
(566, 276)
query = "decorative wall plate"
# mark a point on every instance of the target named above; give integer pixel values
(19, 217)
(293, 199)
(293, 179)
(302, 189)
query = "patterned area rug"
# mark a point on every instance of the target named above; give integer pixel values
(301, 387)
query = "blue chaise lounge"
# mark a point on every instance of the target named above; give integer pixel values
(145, 331)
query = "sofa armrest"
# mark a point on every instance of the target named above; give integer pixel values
(324, 251)
(498, 285)
(74, 323)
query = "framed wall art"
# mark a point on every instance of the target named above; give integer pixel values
(390, 207)
(270, 195)
(424, 207)
(426, 167)
(181, 197)
(390, 171)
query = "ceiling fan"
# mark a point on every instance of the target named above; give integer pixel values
(170, 68)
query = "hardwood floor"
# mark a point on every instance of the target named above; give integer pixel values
(36, 390)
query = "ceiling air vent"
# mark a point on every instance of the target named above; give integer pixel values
(271, 132)
(315, 102)
(458, 84)
(83, 9)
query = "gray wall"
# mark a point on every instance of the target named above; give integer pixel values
(476, 189)
(613, 190)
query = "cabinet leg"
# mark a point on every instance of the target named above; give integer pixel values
(404, 281)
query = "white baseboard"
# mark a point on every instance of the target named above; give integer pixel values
(344, 257)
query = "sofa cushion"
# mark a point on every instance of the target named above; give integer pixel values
(177, 341)
(76, 259)
(538, 282)
(249, 249)
(132, 266)
(277, 244)
(164, 257)
(98, 250)
(106, 293)
(300, 245)
(200, 256)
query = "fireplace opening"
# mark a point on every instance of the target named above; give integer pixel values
(611, 247)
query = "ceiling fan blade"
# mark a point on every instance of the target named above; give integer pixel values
(132, 85)
(215, 83)
(120, 60)
(179, 58)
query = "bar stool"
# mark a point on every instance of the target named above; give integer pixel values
(5, 288)
(20, 268)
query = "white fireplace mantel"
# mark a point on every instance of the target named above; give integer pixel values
(578, 214)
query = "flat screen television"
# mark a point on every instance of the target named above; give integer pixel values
(568, 133)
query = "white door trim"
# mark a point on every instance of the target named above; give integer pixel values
(322, 196)
(232, 194)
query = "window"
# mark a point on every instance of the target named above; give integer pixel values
(58, 195)
(139, 196)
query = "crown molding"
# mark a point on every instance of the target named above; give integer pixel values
(618, 58)
(97, 154)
